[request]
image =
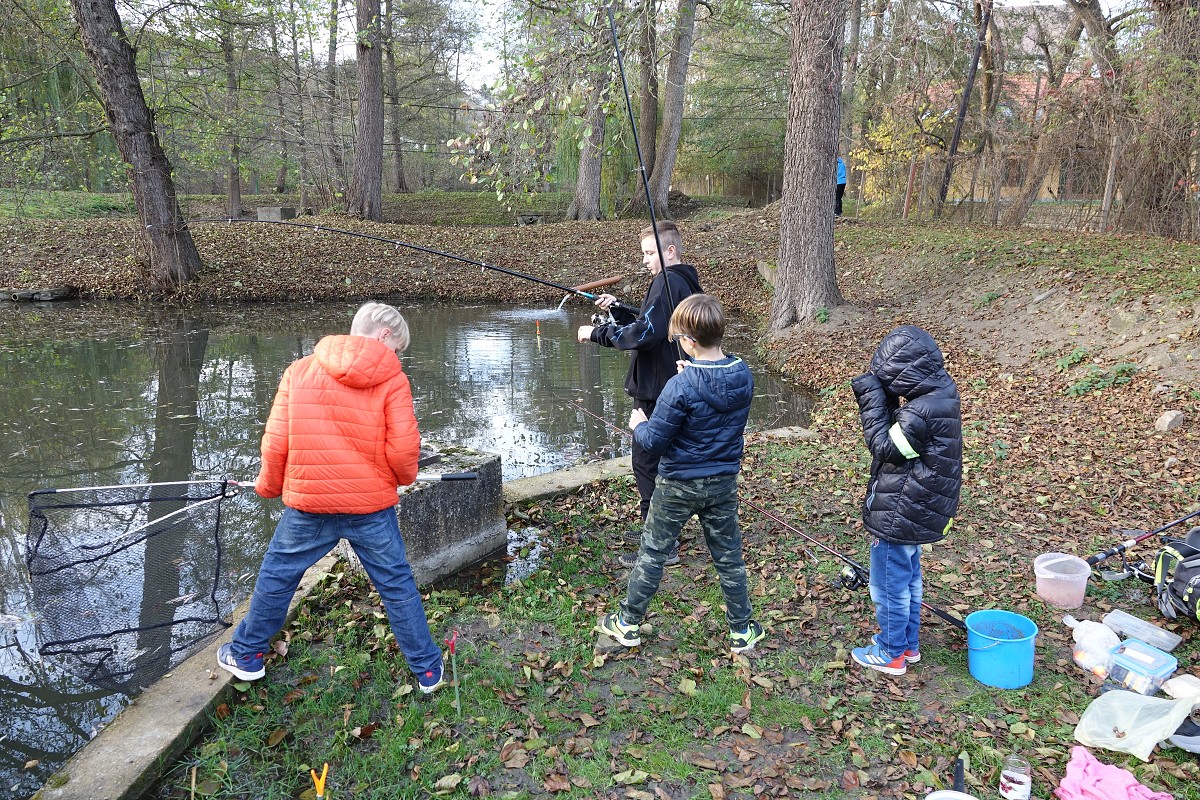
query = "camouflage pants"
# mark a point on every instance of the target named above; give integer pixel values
(714, 501)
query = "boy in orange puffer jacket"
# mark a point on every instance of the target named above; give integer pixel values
(342, 436)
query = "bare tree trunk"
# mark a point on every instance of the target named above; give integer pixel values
(302, 177)
(173, 257)
(851, 75)
(365, 196)
(277, 75)
(233, 187)
(586, 203)
(1046, 132)
(672, 123)
(985, 8)
(806, 279)
(334, 164)
(393, 94)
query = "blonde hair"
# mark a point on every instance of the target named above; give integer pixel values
(668, 234)
(701, 317)
(373, 317)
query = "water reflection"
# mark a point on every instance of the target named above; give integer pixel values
(111, 395)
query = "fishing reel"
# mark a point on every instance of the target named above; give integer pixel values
(852, 578)
(602, 318)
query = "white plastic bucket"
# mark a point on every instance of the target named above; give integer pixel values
(1061, 579)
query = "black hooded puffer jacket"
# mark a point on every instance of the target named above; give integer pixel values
(916, 448)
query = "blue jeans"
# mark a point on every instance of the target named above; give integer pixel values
(896, 593)
(300, 540)
(714, 501)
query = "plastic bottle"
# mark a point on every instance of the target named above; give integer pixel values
(1094, 642)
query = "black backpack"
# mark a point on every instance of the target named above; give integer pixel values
(1177, 577)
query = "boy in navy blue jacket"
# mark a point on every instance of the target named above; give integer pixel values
(916, 475)
(696, 429)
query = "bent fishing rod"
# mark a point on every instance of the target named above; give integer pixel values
(569, 290)
(853, 576)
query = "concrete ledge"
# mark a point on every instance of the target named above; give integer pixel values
(549, 484)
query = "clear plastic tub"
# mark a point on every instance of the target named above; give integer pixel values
(1131, 627)
(1141, 668)
(1061, 579)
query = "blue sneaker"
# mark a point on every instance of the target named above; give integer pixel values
(872, 657)
(248, 668)
(432, 680)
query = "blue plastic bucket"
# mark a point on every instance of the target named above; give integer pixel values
(1000, 648)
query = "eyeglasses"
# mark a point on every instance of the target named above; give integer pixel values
(676, 337)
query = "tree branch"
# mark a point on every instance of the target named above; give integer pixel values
(65, 135)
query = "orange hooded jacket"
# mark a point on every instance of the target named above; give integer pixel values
(342, 434)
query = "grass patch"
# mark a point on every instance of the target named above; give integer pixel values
(37, 204)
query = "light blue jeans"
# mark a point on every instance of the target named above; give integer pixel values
(896, 593)
(300, 540)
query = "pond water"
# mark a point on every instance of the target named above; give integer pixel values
(118, 395)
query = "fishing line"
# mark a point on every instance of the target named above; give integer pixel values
(853, 576)
(569, 290)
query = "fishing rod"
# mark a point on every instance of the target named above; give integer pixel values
(637, 148)
(1123, 546)
(853, 576)
(569, 290)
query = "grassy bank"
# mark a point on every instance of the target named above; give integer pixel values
(542, 714)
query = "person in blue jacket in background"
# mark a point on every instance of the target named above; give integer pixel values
(841, 187)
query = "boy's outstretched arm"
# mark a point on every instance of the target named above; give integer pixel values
(886, 436)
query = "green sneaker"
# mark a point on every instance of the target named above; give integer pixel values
(612, 627)
(745, 640)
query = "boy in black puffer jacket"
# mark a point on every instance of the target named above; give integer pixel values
(916, 475)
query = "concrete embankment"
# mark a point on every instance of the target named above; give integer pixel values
(130, 755)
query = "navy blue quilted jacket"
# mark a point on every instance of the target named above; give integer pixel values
(916, 448)
(699, 420)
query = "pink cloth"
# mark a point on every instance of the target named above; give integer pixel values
(1090, 779)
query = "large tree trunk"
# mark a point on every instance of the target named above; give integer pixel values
(393, 93)
(647, 125)
(806, 279)
(365, 196)
(586, 204)
(666, 149)
(173, 257)
(648, 80)
(672, 122)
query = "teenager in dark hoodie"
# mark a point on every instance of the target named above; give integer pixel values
(912, 424)
(653, 357)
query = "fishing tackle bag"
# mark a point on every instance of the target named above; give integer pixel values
(1177, 578)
